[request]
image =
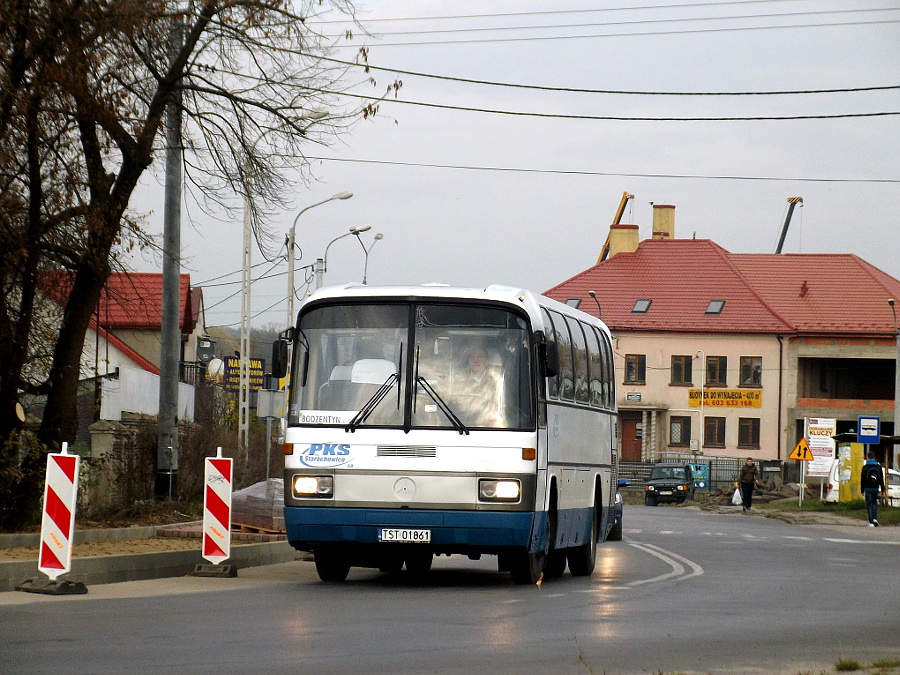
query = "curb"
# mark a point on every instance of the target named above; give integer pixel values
(110, 569)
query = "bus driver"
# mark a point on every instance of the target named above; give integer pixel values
(478, 390)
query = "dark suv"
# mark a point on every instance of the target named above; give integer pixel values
(669, 482)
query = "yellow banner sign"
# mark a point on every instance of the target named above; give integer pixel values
(725, 398)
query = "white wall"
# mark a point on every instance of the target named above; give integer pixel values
(137, 391)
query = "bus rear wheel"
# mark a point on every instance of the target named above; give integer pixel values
(583, 559)
(331, 565)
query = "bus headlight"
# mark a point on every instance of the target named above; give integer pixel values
(494, 490)
(313, 486)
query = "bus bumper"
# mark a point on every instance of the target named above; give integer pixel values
(450, 531)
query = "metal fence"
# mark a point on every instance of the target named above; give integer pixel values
(710, 473)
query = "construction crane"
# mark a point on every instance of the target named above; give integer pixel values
(792, 202)
(604, 252)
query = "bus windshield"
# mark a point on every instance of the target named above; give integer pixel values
(413, 365)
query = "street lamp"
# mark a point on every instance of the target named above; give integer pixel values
(378, 237)
(322, 263)
(290, 246)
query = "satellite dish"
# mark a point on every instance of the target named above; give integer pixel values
(215, 369)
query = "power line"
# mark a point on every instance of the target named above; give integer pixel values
(604, 173)
(595, 10)
(431, 43)
(576, 90)
(631, 22)
(614, 118)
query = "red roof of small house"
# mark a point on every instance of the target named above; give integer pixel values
(134, 301)
(762, 293)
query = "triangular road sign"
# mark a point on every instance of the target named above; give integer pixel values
(802, 451)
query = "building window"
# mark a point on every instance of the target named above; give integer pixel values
(635, 368)
(680, 430)
(748, 432)
(714, 432)
(716, 371)
(715, 307)
(751, 371)
(641, 306)
(681, 370)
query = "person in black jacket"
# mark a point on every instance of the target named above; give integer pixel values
(748, 479)
(871, 482)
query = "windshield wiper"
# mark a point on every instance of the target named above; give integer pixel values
(452, 416)
(373, 402)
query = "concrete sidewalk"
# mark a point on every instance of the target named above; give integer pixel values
(246, 551)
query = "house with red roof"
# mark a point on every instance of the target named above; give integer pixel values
(122, 347)
(729, 354)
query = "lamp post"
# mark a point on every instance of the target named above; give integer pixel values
(290, 247)
(322, 263)
(593, 294)
(895, 460)
(378, 237)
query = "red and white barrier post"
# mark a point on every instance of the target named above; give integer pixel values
(58, 525)
(58, 520)
(217, 516)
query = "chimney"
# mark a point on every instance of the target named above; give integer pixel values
(623, 239)
(663, 221)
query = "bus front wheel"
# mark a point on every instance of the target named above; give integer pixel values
(526, 567)
(331, 565)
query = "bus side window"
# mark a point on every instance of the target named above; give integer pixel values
(566, 366)
(580, 361)
(550, 335)
(609, 376)
(598, 397)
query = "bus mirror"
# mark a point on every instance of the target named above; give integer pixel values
(550, 360)
(279, 358)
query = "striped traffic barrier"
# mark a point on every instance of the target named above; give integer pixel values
(57, 525)
(216, 532)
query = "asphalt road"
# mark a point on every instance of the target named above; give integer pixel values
(685, 591)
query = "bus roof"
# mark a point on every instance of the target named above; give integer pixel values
(529, 300)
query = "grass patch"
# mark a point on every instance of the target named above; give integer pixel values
(846, 665)
(885, 665)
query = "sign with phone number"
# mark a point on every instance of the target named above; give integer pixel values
(725, 398)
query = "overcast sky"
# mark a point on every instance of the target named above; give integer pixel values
(469, 197)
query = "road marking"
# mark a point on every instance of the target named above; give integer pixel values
(861, 541)
(672, 559)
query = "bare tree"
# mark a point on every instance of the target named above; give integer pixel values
(84, 85)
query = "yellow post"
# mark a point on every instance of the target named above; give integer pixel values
(852, 457)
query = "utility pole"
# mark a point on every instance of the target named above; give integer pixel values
(170, 337)
(895, 460)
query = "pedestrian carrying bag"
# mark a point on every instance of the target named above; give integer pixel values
(736, 498)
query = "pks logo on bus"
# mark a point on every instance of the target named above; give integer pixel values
(325, 454)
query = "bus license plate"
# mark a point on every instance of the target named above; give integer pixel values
(404, 536)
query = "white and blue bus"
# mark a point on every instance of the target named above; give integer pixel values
(430, 420)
